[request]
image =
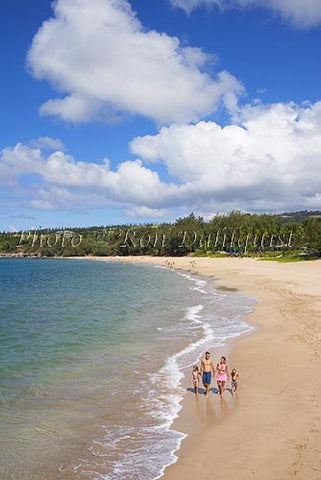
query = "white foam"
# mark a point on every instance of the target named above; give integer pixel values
(192, 313)
(168, 379)
(151, 452)
(166, 407)
(199, 284)
(153, 447)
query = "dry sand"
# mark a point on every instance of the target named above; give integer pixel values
(274, 431)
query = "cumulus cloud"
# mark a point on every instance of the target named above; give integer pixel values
(54, 197)
(268, 161)
(48, 143)
(144, 212)
(301, 13)
(57, 180)
(100, 56)
(271, 158)
(18, 161)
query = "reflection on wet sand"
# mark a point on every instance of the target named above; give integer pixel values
(215, 407)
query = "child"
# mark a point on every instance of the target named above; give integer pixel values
(195, 378)
(235, 380)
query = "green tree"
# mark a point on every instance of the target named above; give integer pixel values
(312, 234)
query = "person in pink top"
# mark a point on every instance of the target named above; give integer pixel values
(222, 375)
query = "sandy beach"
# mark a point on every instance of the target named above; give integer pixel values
(274, 431)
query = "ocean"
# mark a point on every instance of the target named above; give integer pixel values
(92, 358)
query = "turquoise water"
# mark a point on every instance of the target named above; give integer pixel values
(91, 359)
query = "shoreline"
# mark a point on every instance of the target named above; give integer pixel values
(274, 431)
(271, 430)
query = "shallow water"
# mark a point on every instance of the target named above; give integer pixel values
(92, 357)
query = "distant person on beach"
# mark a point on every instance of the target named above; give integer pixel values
(234, 380)
(222, 375)
(195, 378)
(207, 368)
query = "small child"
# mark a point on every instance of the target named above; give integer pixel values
(234, 380)
(195, 377)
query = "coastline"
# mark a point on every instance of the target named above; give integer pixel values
(275, 430)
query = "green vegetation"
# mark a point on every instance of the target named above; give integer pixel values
(288, 256)
(287, 237)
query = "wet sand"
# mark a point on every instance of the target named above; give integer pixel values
(274, 431)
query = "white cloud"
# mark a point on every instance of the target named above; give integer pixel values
(271, 160)
(105, 61)
(144, 212)
(190, 5)
(18, 161)
(57, 180)
(268, 161)
(48, 143)
(301, 13)
(53, 197)
(74, 108)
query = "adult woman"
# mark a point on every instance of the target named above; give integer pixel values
(222, 375)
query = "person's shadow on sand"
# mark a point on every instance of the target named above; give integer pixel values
(202, 391)
(214, 390)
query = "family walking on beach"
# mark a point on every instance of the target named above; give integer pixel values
(222, 375)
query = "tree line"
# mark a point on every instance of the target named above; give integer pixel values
(236, 233)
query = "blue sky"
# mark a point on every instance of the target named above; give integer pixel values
(117, 111)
